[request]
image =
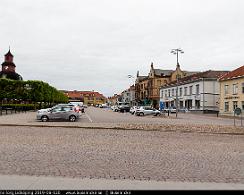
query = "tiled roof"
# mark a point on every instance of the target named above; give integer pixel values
(161, 72)
(197, 76)
(73, 95)
(188, 73)
(239, 72)
(141, 78)
(78, 94)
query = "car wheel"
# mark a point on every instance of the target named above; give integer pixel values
(141, 114)
(72, 118)
(44, 118)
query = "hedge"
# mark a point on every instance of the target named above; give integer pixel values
(31, 91)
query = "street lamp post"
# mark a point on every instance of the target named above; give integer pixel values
(176, 52)
(132, 97)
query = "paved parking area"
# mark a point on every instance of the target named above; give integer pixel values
(121, 154)
(99, 115)
(106, 116)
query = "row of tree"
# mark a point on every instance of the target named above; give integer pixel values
(30, 91)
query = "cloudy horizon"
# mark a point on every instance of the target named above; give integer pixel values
(95, 44)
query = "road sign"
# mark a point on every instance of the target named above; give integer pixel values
(237, 111)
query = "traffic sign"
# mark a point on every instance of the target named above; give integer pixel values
(237, 111)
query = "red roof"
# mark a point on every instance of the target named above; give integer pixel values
(79, 94)
(239, 72)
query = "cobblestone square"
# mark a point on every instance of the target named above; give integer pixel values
(121, 154)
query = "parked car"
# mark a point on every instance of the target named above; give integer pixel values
(115, 108)
(133, 109)
(146, 110)
(59, 112)
(170, 110)
(123, 106)
(103, 106)
(183, 110)
(78, 105)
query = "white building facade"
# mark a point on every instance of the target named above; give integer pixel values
(129, 96)
(198, 92)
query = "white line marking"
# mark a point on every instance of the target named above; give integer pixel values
(88, 117)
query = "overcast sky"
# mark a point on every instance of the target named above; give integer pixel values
(95, 44)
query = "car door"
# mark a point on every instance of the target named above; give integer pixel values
(147, 111)
(55, 113)
(66, 112)
(150, 110)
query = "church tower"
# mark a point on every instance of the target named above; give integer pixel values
(8, 68)
(8, 64)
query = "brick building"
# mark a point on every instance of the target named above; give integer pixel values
(87, 97)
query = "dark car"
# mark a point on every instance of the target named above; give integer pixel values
(124, 108)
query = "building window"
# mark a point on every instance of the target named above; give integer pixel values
(226, 106)
(190, 89)
(242, 105)
(162, 93)
(169, 92)
(173, 92)
(234, 105)
(197, 90)
(235, 89)
(159, 82)
(180, 91)
(242, 87)
(197, 104)
(165, 93)
(226, 89)
(185, 90)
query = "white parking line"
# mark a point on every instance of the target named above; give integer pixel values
(88, 117)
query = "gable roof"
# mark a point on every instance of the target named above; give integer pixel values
(239, 72)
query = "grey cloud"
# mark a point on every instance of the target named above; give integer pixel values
(95, 44)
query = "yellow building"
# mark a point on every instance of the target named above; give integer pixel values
(232, 91)
(148, 87)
